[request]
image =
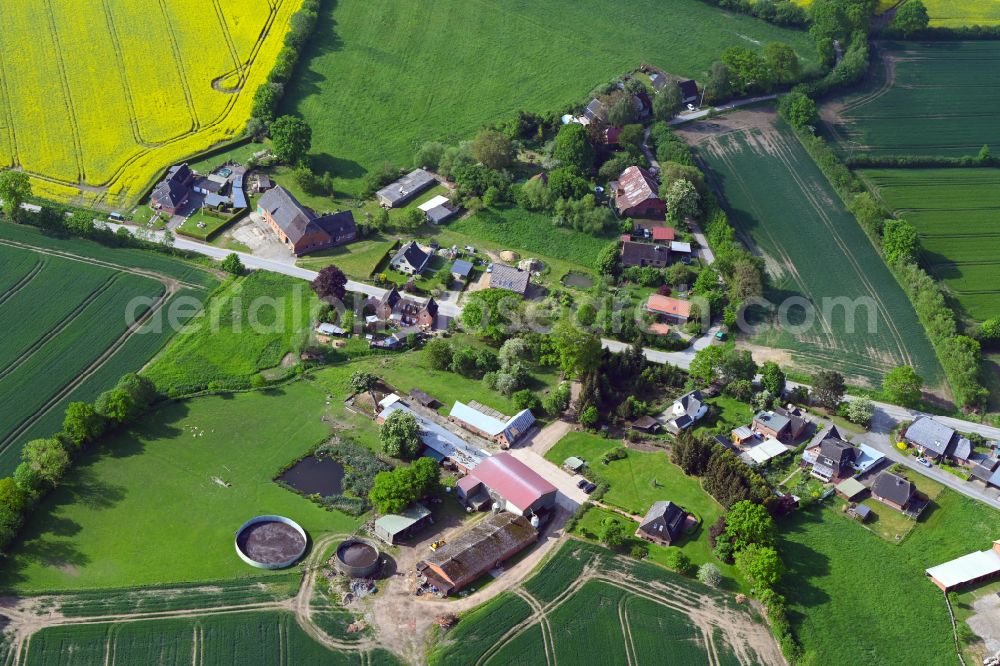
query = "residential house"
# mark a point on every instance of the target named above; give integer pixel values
(893, 490)
(491, 424)
(687, 409)
(772, 424)
(987, 470)
(932, 438)
(410, 259)
(393, 307)
(393, 528)
(658, 80)
(646, 424)
(644, 254)
(689, 91)
(968, 569)
(461, 270)
(174, 190)
(300, 227)
(477, 550)
(509, 278)
(510, 483)
(797, 425)
(635, 195)
(835, 461)
(663, 523)
(405, 189)
(962, 454)
(669, 310)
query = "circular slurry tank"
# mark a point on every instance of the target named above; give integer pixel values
(358, 558)
(270, 542)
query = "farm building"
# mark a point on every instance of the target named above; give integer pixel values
(669, 310)
(461, 269)
(506, 480)
(491, 424)
(893, 490)
(441, 444)
(410, 259)
(437, 210)
(300, 227)
(662, 524)
(477, 550)
(686, 410)
(761, 454)
(393, 528)
(645, 424)
(509, 278)
(330, 330)
(423, 398)
(932, 438)
(968, 569)
(644, 254)
(173, 192)
(681, 248)
(635, 195)
(405, 189)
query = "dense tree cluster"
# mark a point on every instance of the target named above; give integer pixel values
(393, 491)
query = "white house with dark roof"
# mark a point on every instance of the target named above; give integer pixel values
(410, 259)
(685, 411)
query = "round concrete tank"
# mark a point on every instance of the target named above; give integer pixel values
(358, 558)
(270, 542)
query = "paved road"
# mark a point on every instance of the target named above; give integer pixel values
(289, 268)
(682, 359)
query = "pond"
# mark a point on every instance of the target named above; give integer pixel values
(579, 280)
(312, 475)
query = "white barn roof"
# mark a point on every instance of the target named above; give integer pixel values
(439, 200)
(966, 568)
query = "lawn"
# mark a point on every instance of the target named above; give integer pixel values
(213, 225)
(724, 415)
(250, 325)
(144, 509)
(832, 302)
(641, 479)
(954, 211)
(358, 260)
(380, 79)
(77, 344)
(121, 111)
(932, 98)
(840, 577)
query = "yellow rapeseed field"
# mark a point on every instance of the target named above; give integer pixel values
(958, 13)
(97, 98)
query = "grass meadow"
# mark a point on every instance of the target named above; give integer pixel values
(121, 108)
(639, 480)
(841, 576)
(781, 204)
(954, 211)
(249, 639)
(383, 77)
(61, 331)
(144, 508)
(247, 327)
(934, 98)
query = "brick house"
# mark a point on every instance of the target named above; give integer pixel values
(300, 228)
(635, 194)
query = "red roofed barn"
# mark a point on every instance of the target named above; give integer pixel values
(509, 481)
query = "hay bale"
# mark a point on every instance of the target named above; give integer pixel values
(508, 256)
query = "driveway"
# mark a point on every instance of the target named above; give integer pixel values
(542, 440)
(569, 497)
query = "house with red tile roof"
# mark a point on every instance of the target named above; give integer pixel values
(669, 309)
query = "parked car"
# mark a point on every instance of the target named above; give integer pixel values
(590, 487)
(924, 461)
(582, 483)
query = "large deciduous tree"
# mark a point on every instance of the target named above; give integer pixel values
(573, 147)
(400, 435)
(493, 149)
(667, 102)
(902, 386)
(330, 285)
(292, 139)
(15, 188)
(828, 388)
(911, 17)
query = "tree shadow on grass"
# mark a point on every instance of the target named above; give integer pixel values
(339, 167)
(802, 564)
